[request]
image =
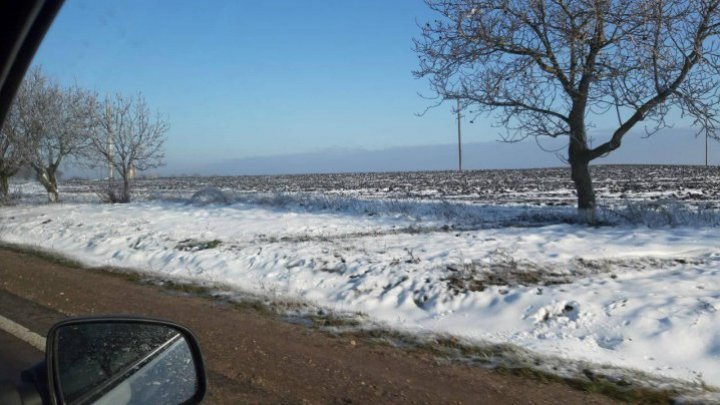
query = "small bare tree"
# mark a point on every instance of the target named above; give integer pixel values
(128, 138)
(57, 122)
(550, 67)
(13, 151)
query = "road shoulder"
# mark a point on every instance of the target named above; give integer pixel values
(255, 358)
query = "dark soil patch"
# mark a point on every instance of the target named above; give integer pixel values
(192, 245)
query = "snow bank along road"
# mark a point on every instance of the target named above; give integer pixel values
(252, 358)
(625, 296)
(621, 296)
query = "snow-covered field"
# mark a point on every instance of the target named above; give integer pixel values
(642, 293)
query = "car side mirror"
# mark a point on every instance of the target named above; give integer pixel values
(123, 361)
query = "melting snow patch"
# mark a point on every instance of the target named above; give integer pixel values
(632, 297)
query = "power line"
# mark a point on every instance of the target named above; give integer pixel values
(459, 132)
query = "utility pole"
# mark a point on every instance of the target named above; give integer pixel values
(459, 117)
(706, 149)
(111, 171)
(110, 147)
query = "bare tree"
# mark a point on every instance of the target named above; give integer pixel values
(13, 151)
(57, 121)
(550, 67)
(26, 120)
(129, 138)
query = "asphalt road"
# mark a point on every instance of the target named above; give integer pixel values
(15, 354)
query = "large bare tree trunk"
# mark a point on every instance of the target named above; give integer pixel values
(580, 174)
(579, 158)
(4, 187)
(46, 177)
(126, 189)
(53, 195)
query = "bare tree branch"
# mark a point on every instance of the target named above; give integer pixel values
(551, 67)
(129, 137)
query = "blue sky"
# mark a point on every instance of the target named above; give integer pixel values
(246, 78)
(242, 79)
